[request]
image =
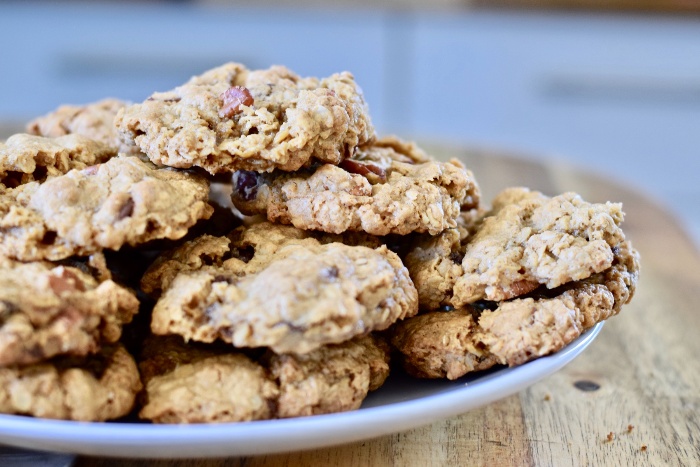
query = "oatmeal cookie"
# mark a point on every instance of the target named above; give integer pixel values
(232, 118)
(188, 383)
(96, 388)
(94, 120)
(242, 243)
(26, 158)
(386, 187)
(123, 201)
(333, 378)
(48, 310)
(194, 384)
(435, 263)
(527, 239)
(275, 286)
(453, 343)
(441, 344)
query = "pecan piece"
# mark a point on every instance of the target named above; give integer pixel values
(126, 210)
(64, 280)
(520, 287)
(368, 170)
(232, 99)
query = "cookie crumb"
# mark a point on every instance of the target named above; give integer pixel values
(643, 448)
(547, 397)
(630, 428)
(611, 437)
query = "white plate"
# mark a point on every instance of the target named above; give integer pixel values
(401, 404)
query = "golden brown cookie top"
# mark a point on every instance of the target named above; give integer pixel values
(246, 250)
(275, 286)
(525, 240)
(95, 388)
(94, 121)
(453, 343)
(26, 158)
(122, 201)
(50, 310)
(233, 118)
(386, 187)
(530, 239)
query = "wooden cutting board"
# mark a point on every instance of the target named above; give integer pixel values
(632, 398)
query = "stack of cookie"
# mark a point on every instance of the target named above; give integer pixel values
(277, 252)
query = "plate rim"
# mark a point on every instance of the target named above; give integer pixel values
(143, 440)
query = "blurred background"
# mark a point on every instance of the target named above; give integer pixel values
(611, 86)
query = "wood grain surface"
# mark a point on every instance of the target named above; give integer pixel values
(632, 398)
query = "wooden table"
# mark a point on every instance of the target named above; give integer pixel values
(640, 402)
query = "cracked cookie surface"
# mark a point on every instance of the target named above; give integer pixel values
(48, 310)
(27, 158)
(123, 201)
(233, 118)
(276, 286)
(451, 344)
(94, 121)
(95, 388)
(526, 240)
(386, 187)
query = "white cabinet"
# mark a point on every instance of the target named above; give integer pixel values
(611, 93)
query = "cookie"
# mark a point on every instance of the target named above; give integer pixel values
(232, 118)
(441, 344)
(450, 344)
(386, 187)
(204, 384)
(121, 202)
(26, 158)
(48, 310)
(98, 388)
(212, 250)
(193, 384)
(94, 121)
(333, 378)
(526, 240)
(435, 262)
(276, 286)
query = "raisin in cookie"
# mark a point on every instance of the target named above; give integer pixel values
(188, 383)
(94, 121)
(451, 344)
(48, 310)
(26, 158)
(276, 286)
(386, 187)
(123, 201)
(527, 239)
(95, 388)
(233, 118)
